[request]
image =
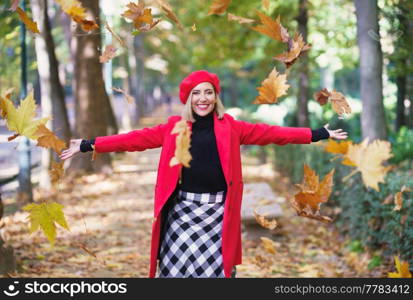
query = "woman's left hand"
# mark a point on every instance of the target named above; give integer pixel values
(338, 134)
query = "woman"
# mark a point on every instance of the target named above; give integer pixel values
(197, 225)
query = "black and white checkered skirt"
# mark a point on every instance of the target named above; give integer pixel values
(191, 244)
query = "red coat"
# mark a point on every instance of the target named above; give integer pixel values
(230, 134)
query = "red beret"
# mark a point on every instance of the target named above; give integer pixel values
(195, 78)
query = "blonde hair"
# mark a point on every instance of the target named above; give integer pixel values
(188, 114)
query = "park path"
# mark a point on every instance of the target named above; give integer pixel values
(110, 218)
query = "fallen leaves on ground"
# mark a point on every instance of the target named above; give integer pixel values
(402, 268)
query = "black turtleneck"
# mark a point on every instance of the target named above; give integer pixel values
(205, 174)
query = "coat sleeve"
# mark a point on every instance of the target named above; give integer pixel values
(264, 134)
(136, 140)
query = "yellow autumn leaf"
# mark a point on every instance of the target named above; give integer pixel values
(273, 87)
(218, 7)
(402, 269)
(56, 172)
(45, 216)
(183, 142)
(3, 96)
(368, 158)
(142, 17)
(21, 120)
(78, 14)
(266, 4)
(30, 24)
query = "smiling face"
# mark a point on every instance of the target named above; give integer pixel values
(203, 98)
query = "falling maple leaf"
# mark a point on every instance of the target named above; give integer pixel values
(56, 172)
(340, 148)
(21, 119)
(296, 47)
(48, 139)
(128, 97)
(45, 216)
(30, 24)
(166, 7)
(264, 222)
(183, 142)
(402, 269)
(240, 20)
(272, 28)
(268, 245)
(337, 99)
(78, 14)
(108, 54)
(117, 37)
(398, 200)
(273, 87)
(368, 158)
(142, 17)
(312, 193)
(218, 7)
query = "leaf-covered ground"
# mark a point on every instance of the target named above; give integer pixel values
(110, 218)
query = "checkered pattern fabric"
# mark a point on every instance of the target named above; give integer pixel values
(191, 246)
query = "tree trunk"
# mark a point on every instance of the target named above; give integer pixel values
(52, 95)
(373, 122)
(91, 100)
(401, 95)
(303, 78)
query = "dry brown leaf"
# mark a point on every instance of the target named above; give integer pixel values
(296, 48)
(183, 142)
(166, 7)
(312, 193)
(218, 7)
(264, 222)
(142, 17)
(338, 102)
(108, 54)
(273, 87)
(368, 158)
(56, 172)
(48, 139)
(272, 28)
(268, 245)
(398, 200)
(238, 19)
(30, 24)
(128, 97)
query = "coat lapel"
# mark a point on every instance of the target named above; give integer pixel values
(222, 131)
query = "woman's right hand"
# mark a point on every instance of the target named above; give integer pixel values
(73, 149)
